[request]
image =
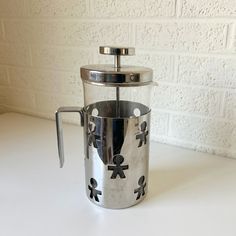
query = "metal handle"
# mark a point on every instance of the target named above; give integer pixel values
(60, 130)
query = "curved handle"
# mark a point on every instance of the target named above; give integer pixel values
(60, 130)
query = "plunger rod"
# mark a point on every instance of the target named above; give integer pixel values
(117, 61)
(117, 101)
(117, 66)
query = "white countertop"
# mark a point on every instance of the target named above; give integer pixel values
(190, 193)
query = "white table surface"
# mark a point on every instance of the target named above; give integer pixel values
(190, 193)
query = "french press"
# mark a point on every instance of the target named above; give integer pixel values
(116, 121)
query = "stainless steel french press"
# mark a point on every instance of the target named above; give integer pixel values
(116, 121)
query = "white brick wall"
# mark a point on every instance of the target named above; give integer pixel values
(182, 37)
(59, 8)
(60, 58)
(14, 54)
(189, 44)
(12, 8)
(133, 8)
(207, 71)
(211, 8)
(70, 33)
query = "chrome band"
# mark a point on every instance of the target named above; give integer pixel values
(110, 76)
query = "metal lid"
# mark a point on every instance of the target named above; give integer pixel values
(116, 75)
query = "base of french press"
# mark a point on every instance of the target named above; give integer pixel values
(117, 207)
(116, 195)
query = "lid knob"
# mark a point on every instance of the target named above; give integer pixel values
(117, 52)
(122, 51)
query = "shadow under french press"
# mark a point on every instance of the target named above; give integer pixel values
(169, 179)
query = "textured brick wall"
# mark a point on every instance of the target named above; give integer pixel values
(190, 44)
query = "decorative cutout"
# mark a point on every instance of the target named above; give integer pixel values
(118, 169)
(92, 137)
(142, 136)
(140, 190)
(93, 191)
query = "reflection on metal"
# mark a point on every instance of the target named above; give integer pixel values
(92, 137)
(140, 190)
(93, 191)
(117, 163)
(118, 169)
(142, 136)
(111, 131)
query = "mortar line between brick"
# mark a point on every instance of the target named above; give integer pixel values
(175, 68)
(26, 8)
(182, 113)
(36, 92)
(56, 69)
(39, 68)
(30, 55)
(222, 104)
(90, 8)
(208, 88)
(180, 143)
(195, 54)
(150, 50)
(8, 76)
(34, 99)
(4, 86)
(230, 35)
(132, 39)
(35, 67)
(140, 49)
(181, 53)
(169, 125)
(83, 47)
(93, 59)
(178, 8)
(3, 30)
(170, 19)
(30, 112)
(38, 114)
(3, 108)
